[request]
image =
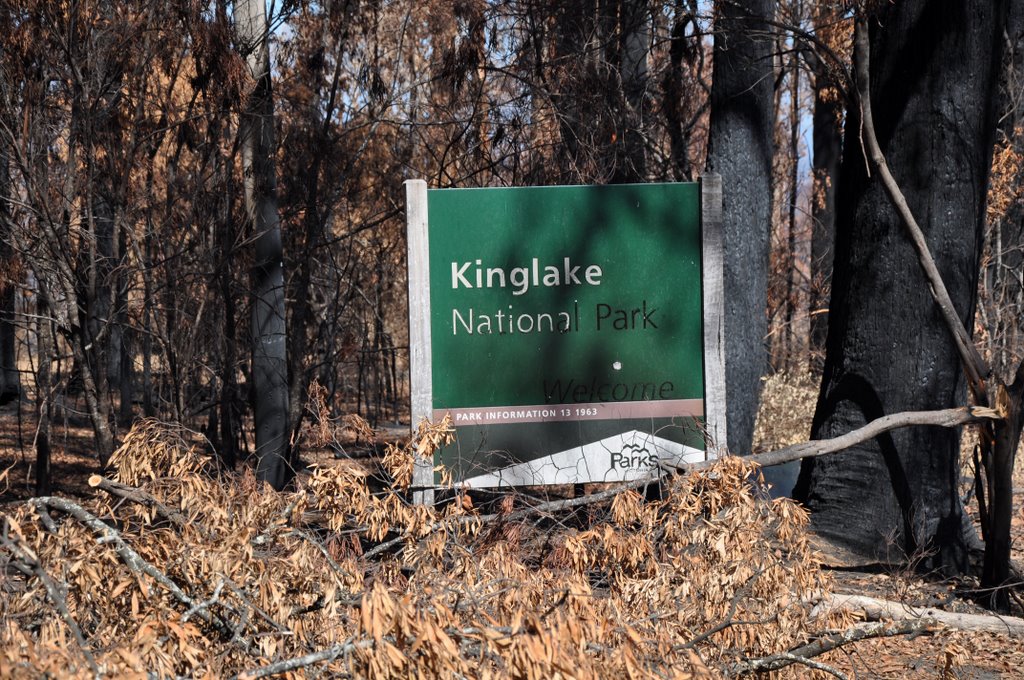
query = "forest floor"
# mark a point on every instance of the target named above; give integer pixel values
(948, 653)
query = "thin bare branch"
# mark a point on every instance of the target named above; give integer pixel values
(951, 417)
(128, 555)
(29, 565)
(329, 654)
(137, 495)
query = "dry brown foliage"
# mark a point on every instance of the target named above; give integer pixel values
(1005, 189)
(194, 573)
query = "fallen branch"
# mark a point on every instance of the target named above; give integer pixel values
(131, 559)
(830, 641)
(875, 609)
(565, 504)
(29, 565)
(785, 658)
(548, 507)
(329, 654)
(951, 417)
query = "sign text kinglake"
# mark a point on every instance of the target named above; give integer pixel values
(563, 328)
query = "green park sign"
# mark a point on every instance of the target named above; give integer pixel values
(572, 333)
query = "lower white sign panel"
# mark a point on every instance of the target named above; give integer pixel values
(622, 457)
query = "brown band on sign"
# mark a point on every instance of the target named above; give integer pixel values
(553, 413)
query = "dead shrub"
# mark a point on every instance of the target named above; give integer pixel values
(232, 577)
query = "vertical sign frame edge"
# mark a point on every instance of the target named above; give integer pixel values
(420, 352)
(713, 299)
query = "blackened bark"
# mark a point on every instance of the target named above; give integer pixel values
(148, 328)
(126, 372)
(1007, 233)
(10, 386)
(44, 409)
(122, 368)
(740, 148)
(996, 573)
(933, 73)
(573, 25)
(794, 338)
(995, 482)
(87, 302)
(302, 309)
(269, 357)
(10, 380)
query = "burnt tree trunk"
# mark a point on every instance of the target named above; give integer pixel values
(44, 408)
(1003, 287)
(933, 70)
(269, 357)
(10, 380)
(740, 148)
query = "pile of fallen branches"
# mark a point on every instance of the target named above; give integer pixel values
(177, 569)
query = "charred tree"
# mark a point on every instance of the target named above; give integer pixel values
(933, 70)
(740, 149)
(10, 381)
(44, 408)
(685, 52)
(269, 357)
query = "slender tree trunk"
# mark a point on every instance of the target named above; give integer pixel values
(229, 398)
(91, 348)
(740, 149)
(302, 311)
(933, 71)
(10, 380)
(269, 356)
(148, 325)
(63, 280)
(229, 385)
(995, 462)
(45, 345)
(574, 28)
(123, 340)
(126, 375)
(827, 145)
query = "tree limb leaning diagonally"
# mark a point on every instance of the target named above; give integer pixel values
(1001, 437)
(132, 559)
(977, 368)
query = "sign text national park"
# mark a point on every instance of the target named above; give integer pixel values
(562, 328)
